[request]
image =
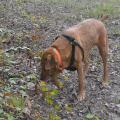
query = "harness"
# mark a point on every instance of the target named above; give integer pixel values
(74, 43)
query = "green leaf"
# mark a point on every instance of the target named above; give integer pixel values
(7, 88)
(49, 100)
(66, 78)
(57, 107)
(31, 76)
(17, 102)
(23, 93)
(42, 83)
(1, 111)
(10, 116)
(61, 85)
(53, 92)
(57, 117)
(89, 116)
(96, 117)
(68, 107)
(44, 89)
(52, 116)
(23, 87)
(13, 80)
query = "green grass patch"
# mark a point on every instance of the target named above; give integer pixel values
(104, 8)
(110, 7)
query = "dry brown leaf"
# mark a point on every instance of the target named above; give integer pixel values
(37, 37)
(37, 116)
(7, 94)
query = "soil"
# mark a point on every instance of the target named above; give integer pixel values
(103, 103)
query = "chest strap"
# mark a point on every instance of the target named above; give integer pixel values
(74, 43)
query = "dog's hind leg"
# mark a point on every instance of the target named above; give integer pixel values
(103, 50)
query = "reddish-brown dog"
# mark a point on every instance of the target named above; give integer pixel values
(56, 58)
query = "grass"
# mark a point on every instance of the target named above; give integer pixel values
(104, 8)
(110, 7)
(77, 8)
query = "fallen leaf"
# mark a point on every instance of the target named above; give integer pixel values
(37, 116)
(26, 110)
(8, 94)
(89, 116)
(37, 37)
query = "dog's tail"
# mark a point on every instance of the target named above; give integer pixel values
(103, 17)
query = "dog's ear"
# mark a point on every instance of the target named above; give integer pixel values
(57, 64)
(49, 62)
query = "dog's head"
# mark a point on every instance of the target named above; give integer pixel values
(50, 64)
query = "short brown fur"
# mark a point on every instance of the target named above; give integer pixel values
(89, 33)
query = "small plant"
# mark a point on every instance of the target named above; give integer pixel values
(52, 116)
(11, 106)
(16, 102)
(90, 116)
(49, 95)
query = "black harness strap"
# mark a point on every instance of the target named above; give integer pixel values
(71, 65)
(74, 43)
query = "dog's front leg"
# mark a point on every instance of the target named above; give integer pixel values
(81, 82)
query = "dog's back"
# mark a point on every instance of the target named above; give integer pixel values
(89, 32)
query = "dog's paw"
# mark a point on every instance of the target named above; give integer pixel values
(104, 84)
(81, 96)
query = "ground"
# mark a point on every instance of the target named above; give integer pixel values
(27, 28)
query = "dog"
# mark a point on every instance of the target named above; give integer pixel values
(71, 50)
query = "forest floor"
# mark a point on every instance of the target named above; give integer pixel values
(27, 27)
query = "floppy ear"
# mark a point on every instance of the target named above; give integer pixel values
(49, 62)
